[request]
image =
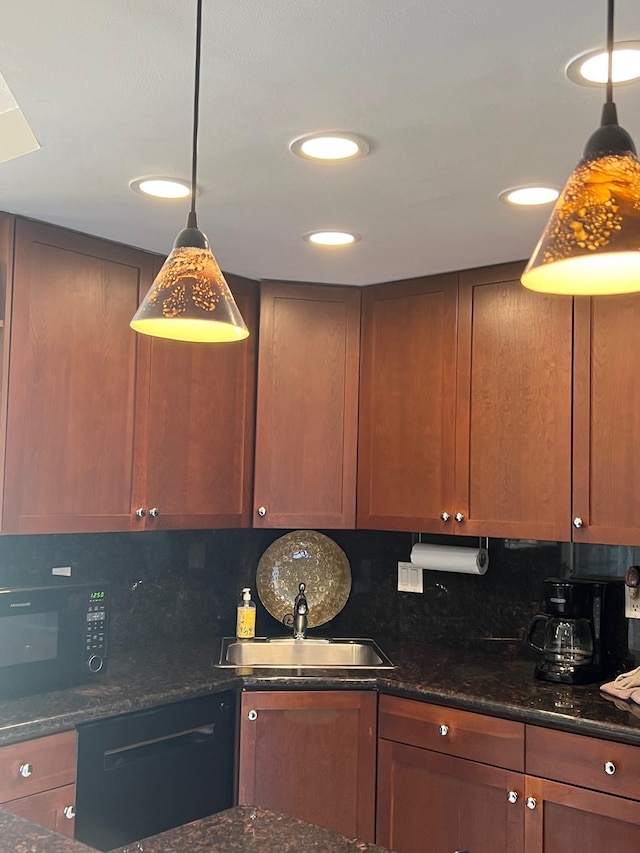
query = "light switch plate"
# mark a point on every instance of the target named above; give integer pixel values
(409, 578)
(631, 603)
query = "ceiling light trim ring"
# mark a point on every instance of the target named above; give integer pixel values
(363, 146)
(136, 186)
(309, 238)
(573, 68)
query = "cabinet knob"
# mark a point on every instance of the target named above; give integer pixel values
(252, 715)
(443, 730)
(459, 517)
(69, 812)
(609, 768)
(531, 802)
(262, 511)
(512, 796)
(445, 516)
(578, 522)
(25, 770)
(141, 512)
(154, 512)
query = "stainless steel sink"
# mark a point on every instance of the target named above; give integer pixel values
(312, 652)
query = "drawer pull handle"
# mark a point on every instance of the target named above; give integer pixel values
(512, 796)
(252, 715)
(154, 512)
(459, 517)
(609, 768)
(443, 730)
(69, 812)
(445, 516)
(531, 802)
(26, 770)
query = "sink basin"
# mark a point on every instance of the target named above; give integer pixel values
(312, 652)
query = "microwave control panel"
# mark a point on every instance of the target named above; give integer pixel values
(96, 633)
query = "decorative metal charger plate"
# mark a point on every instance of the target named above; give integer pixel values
(309, 557)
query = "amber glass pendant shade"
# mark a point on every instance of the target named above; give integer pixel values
(190, 299)
(591, 245)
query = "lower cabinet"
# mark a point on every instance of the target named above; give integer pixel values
(430, 801)
(311, 755)
(567, 819)
(582, 793)
(434, 790)
(37, 780)
(452, 780)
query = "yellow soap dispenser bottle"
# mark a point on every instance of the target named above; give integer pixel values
(246, 621)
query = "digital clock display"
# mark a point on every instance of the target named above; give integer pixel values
(97, 596)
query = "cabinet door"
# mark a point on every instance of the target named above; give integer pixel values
(567, 819)
(54, 809)
(307, 409)
(72, 384)
(513, 439)
(430, 801)
(606, 462)
(194, 436)
(407, 404)
(311, 755)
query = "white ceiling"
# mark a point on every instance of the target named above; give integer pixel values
(458, 99)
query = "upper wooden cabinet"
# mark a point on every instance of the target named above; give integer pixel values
(606, 462)
(513, 409)
(194, 440)
(407, 403)
(102, 422)
(466, 407)
(307, 407)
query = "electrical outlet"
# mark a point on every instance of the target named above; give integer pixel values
(631, 602)
(409, 578)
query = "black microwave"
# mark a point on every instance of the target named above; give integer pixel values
(52, 637)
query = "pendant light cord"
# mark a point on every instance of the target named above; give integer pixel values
(610, 52)
(196, 115)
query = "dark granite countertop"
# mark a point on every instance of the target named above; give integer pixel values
(238, 830)
(246, 828)
(492, 677)
(18, 835)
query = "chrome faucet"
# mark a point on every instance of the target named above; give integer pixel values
(300, 611)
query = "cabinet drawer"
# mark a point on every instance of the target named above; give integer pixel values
(54, 809)
(47, 762)
(461, 733)
(589, 762)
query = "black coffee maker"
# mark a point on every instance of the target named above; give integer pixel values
(573, 645)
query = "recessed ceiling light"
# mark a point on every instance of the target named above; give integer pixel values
(590, 68)
(329, 145)
(332, 238)
(161, 187)
(529, 196)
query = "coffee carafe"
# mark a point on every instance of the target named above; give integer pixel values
(571, 645)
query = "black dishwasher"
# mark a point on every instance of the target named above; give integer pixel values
(148, 771)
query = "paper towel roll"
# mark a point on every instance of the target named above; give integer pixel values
(446, 558)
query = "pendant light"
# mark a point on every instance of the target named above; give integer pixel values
(189, 299)
(591, 245)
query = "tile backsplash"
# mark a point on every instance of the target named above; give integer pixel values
(186, 584)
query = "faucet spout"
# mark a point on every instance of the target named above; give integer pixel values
(300, 614)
